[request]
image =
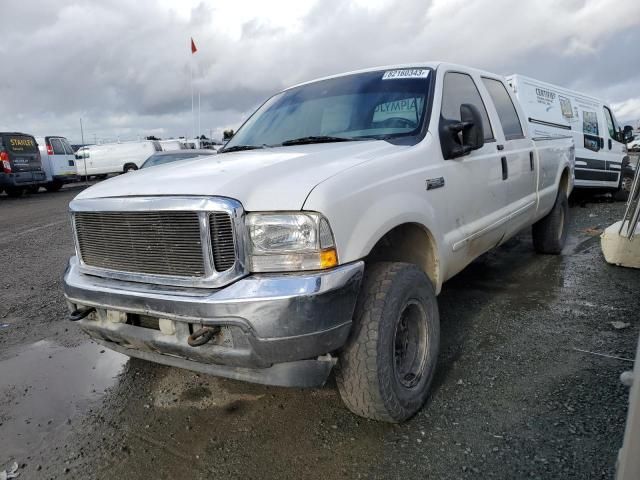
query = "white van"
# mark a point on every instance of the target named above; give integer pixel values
(58, 162)
(114, 157)
(553, 111)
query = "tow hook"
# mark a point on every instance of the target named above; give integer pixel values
(80, 313)
(202, 336)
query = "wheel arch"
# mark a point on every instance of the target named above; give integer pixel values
(133, 165)
(409, 242)
(565, 181)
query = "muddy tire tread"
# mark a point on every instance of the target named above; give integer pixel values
(545, 234)
(359, 380)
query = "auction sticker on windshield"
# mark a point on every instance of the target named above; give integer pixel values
(405, 73)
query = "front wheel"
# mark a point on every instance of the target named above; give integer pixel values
(622, 194)
(550, 233)
(385, 369)
(130, 167)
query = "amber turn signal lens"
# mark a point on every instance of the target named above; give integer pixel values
(328, 258)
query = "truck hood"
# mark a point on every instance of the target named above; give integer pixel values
(267, 179)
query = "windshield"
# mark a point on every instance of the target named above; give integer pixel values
(154, 160)
(380, 104)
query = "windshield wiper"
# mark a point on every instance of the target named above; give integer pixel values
(315, 139)
(239, 148)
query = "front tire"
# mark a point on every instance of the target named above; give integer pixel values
(386, 367)
(550, 233)
(622, 194)
(130, 167)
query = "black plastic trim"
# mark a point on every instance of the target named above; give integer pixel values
(549, 124)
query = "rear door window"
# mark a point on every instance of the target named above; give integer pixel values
(58, 147)
(504, 106)
(67, 148)
(459, 88)
(20, 144)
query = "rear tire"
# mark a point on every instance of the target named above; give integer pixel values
(550, 233)
(33, 188)
(53, 186)
(386, 367)
(14, 192)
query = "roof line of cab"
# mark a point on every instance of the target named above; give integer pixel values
(434, 65)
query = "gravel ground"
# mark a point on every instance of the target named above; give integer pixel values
(512, 397)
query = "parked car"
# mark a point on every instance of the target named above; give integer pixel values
(160, 158)
(58, 162)
(20, 164)
(601, 156)
(94, 160)
(634, 145)
(321, 234)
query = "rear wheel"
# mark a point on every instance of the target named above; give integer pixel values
(14, 192)
(385, 369)
(33, 188)
(54, 186)
(550, 233)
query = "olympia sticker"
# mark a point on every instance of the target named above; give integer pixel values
(405, 73)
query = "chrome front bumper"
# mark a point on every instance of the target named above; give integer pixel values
(278, 324)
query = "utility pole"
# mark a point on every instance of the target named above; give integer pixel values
(84, 153)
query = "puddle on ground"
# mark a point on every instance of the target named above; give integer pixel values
(44, 387)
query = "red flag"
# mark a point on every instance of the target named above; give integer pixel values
(193, 46)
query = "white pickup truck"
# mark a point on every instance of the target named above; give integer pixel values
(321, 234)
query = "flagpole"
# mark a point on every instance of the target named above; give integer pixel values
(193, 117)
(199, 125)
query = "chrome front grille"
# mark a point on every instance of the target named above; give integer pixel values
(224, 251)
(158, 243)
(184, 241)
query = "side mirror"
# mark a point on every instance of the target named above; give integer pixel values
(459, 138)
(627, 133)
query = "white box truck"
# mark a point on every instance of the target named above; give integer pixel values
(601, 154)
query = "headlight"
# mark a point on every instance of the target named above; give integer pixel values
(280, 242)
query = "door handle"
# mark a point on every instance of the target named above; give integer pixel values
(531, 166)
(609, 144)
(505, 168)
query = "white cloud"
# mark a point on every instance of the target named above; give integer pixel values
(124, 66)
(628, 110)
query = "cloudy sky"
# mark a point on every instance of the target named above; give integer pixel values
(125, 66)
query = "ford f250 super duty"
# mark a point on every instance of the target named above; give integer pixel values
(321, 234)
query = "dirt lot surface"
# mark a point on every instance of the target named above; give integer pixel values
(512, 399)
